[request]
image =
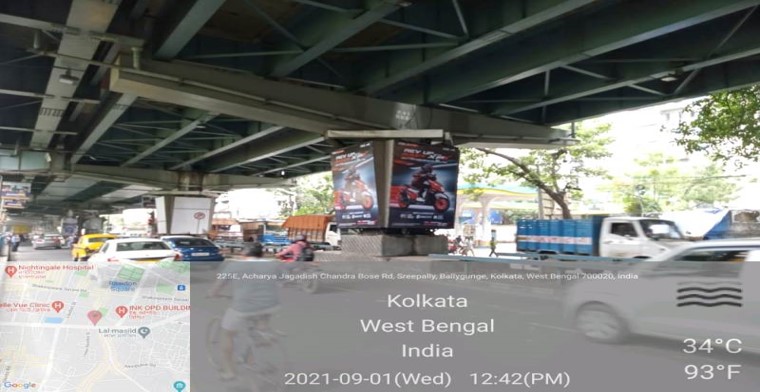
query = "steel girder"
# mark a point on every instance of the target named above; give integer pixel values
(228, 147)
(174, 136)
(185, 26)
(744, 44)
(53, 164)
(612, 28)
(165, 179)
(516, 17)
(256, 152)
(724, 76)
(97, 190)
(109, 113)
(310, 109)
(319, 35)
(292, 165)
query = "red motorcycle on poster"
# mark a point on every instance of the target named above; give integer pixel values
(358, 194)
(425, 190)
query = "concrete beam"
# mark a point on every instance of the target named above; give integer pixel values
(299, 107)
(11, 162)
(89, 15)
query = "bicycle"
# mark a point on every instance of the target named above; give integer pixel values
(306, 275)
(260, 358)
(466, 249)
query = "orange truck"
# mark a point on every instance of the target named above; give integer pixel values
(320, 230)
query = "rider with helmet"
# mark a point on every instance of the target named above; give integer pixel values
(352, 177)
(293, 251)
(421, 179)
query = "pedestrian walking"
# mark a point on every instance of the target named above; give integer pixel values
(15, 241)
(493, 247)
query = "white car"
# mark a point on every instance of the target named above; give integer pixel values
(702, 290)
(121, 262)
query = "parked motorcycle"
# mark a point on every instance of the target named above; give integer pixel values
(434, 196)
(359, 195)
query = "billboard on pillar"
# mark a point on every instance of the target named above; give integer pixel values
(355, 186)
(14, 203)
(423, 186)
(16, 190)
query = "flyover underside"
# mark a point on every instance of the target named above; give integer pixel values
(312, 110)
(249, 88)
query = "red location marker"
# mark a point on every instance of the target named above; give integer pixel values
(57, 306)
(121, 311)
(94, 316)
(11, 270)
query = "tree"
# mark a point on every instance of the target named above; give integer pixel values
(659, 183)
(557, 173)
(311, 195)
(710, 186)
(725, 125)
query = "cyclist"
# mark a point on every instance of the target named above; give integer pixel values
(466, 248)
(250, 298)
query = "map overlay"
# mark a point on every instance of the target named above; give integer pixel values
(64, 329)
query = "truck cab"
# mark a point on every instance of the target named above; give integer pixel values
(332, 235)
(616, 237)
(631, 237)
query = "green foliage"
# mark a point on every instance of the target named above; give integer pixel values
(725, 125)
(555, 172)
(511, 216)
(659, 183)
(311, 195)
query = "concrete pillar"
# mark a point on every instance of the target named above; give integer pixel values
(393, 245)
(485, 203)
(184, 214)
(461, 199)
(189, 181)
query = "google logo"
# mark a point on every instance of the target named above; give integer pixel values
(18, 385)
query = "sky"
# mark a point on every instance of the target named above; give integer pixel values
(640, 132)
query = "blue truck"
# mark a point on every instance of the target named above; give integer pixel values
(717, 223)
(620, 237)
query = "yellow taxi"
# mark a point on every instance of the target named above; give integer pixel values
(89, 244)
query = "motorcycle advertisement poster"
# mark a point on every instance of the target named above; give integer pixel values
(354, 184)
(423, 186)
